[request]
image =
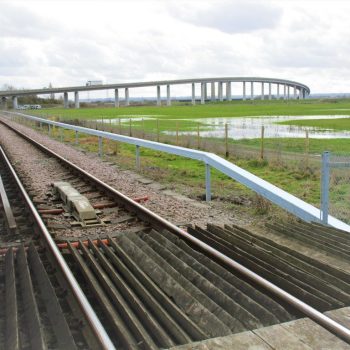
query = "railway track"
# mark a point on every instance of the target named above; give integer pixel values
(156, 286)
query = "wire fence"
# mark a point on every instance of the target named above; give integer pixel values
(339, 187)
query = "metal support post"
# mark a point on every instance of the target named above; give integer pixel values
(76, 137)
(137, 157)
(49, 129)
(193, 94)
(325, 188)
(61, 134)
(207, 183)
(100, 146)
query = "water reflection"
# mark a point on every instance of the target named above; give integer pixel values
(250, 127)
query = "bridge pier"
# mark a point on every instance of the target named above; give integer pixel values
(252, 90)
(159, 102)
(288, 92)
(65, 100)
(228, 91)
(270, 96)
(212, 93)
(14, 102)
(205, 92)
(284, 91)
(220, 92)
(244, 92)
(262, 91)
(193, 94)
(168, 100)
(116, 98)
(278, 91)
(3, 102)
(295, 92)
(76, 99)
(127, 102)
(202, 93)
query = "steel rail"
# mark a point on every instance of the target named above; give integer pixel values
(9, 217)
(95, 324)
(159, 222)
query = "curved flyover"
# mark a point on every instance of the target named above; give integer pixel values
(285, 89)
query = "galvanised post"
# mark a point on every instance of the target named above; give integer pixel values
(49, 129)
(61, 134)
(137, 157)
(325, 187)
(100, 146)
(76, 137)
(207, 183)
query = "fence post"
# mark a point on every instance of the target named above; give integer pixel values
(130, 127)
(177, 133)
(198, 137)
(100, 146)
(137, 157)
(226, 141)
(157, 130)
(262, 142)
(207, 183)
(143, 128)
(50, 130)
(76, 137)
(307, 148)
(325, 187)
(120, 127)
(61, 134)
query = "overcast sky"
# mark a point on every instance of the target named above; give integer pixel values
(70, 42)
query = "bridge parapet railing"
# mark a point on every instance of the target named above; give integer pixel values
(276, 195)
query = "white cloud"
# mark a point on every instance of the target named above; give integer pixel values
(70, 42)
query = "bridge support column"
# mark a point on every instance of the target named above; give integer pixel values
(202, 93)
(284, 91)
(303, 93)
(127, 97)
(212, 93)
(270, 96)
(193, 94)
(278, 91)
(252, 90)
(116, 98)
(294, 92)
(14, 102)
(220, 92)
(244, 92)
(3, 102)
(168, 100)
(228, 91)
(262, 91)
(159, 102)
(205, 92)
(288, 92)
(76, 99)
(65, 100)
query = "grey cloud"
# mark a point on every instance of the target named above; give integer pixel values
(232, 16)
(19, 22)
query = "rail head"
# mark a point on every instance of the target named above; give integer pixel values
(94, 322)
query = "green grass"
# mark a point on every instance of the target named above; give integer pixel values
(334, 124)
(210, 110)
